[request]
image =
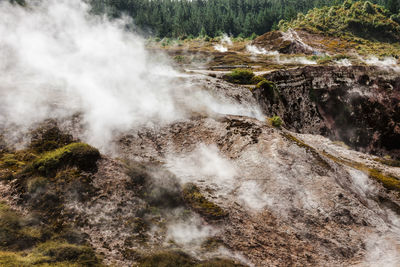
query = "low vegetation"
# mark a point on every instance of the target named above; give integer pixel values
(361, 25)
(276, 121)
(357, 19)
(240, 76)
(24, 241)
(80, 155)
(43, 174)
(244, 76)
(199, 203)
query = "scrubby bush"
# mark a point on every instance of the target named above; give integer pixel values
(276, 121)
(240, 76)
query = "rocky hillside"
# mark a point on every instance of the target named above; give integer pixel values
(112, 156)
(209, 191)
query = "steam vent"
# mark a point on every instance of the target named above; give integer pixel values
(192, 133)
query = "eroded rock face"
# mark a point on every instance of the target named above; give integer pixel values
(358, 105)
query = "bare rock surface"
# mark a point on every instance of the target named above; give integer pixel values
(358, 105)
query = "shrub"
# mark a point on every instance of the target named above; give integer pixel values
(196, 200)
(80, 155)
(240, 76)
(276, 121)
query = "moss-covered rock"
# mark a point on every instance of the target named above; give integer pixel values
(240, 76)
(80, 155)
(199, 203)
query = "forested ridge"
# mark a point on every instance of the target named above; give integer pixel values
(186, 18)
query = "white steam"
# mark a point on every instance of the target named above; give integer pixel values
(205, 163)
(386, 63)
(221, 48)
(295, 60)
(57, 60)
(190, 233)
(254, 50)
(225, 41)
(344, 62)
(253, 197)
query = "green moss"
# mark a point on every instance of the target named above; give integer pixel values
(11, 161)
(240, 76)
(80, 155)
(200, 204)
(389, 182)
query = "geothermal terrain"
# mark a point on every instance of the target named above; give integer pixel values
(115, 151)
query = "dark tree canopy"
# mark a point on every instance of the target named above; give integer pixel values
(182, 18)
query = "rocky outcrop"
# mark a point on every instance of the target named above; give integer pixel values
(284, 42)
(358, 105)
